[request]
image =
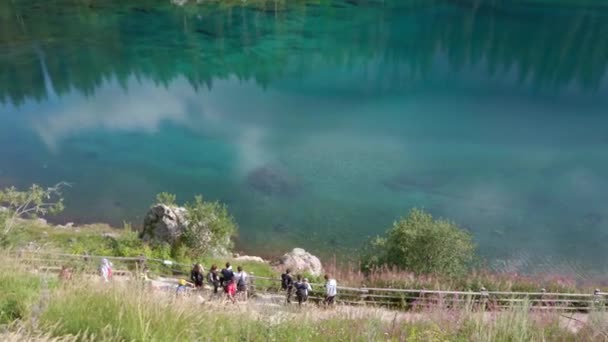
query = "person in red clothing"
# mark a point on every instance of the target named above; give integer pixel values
(231, 290)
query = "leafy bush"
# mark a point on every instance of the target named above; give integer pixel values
(166, 198)
(210, 227)
(423, 245)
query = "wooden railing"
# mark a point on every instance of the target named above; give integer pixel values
(405, 299)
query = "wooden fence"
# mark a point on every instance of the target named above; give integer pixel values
(405, 299)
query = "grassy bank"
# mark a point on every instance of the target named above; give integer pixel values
(87, 311)
(100, 239)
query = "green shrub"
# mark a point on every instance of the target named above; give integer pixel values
(210, 228)
(423, 245)
(166, 198)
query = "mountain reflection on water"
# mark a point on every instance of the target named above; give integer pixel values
(318, 123)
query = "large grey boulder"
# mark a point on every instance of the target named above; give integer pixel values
(164, 223)
(300, 261)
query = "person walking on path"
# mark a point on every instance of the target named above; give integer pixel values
(227, 276)
(287, 284)
(66, 273)
(106, 270)
(214, 278)
(182, 288)
(331, 290)
(241, 282)
(302, 287)
(231, 290)
(197, 276)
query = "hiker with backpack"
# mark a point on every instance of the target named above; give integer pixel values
(287, 284)
(241, 282)
(302, 289)
(214, 278)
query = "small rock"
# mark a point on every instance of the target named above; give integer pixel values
(110, 235)
(249, 258)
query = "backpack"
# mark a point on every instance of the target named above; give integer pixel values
(212, 277)
(241, 281)
(301, 289)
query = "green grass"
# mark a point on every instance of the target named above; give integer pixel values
(126, 314)
(88, 311)
(18, 292)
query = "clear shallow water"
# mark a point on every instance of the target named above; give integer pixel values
(320, 123)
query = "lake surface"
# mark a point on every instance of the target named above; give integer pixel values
(320, 122)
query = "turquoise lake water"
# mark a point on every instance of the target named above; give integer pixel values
(320, 122)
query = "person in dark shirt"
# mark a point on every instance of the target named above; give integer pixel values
(287, 284)
(227, 276)
(302, 287)
(197, 276)
(214, 278)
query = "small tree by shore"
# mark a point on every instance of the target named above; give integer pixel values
(423, 245)
(31, 203)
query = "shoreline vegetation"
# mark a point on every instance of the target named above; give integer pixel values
(418, 252)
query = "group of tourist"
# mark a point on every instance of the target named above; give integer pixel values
(232, 283)
(235, 284)
(302, 288)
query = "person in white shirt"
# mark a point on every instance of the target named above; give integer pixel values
(106, 270)
(331, 290)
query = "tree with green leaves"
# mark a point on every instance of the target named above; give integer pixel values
(28, 204)
(202, 227)
(210, 227)
(423, 245)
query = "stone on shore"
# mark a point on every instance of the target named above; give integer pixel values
(250, 258)
(164, 223)
(300, 261)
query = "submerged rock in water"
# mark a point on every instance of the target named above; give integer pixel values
(273, 182)
(280, 228)
(592, 219)
(164, 223)
(299, 260)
